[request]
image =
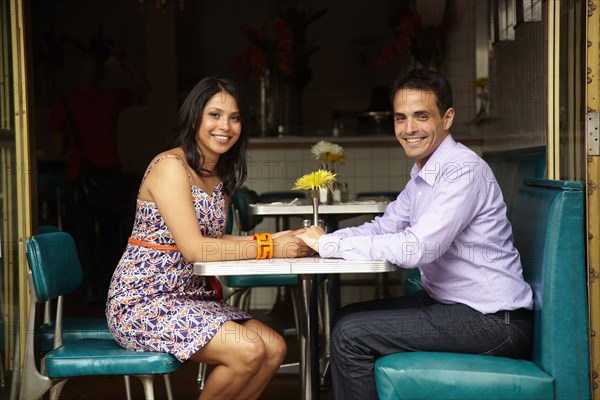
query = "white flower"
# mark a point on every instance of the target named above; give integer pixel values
(323, 147)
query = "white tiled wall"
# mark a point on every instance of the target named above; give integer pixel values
(366, 169)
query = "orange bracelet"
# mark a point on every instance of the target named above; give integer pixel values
(265, 245)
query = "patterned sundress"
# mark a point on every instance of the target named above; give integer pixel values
(155, 302)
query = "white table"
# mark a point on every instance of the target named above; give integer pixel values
(306, 268)
(353, 207)
(333, 213)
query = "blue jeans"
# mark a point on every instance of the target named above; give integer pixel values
(363, 332)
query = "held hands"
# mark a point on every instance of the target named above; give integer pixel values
(286, 244)
(310, 236)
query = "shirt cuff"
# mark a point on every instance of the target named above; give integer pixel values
(329, 246)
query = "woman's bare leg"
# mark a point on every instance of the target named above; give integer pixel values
(245, 355)
(275, 349)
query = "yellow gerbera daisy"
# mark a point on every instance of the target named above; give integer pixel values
(315, 180)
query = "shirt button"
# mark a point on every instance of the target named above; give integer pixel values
(418, 194)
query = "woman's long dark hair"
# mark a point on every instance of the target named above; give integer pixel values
(232, 166)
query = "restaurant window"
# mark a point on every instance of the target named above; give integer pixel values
(504, 20)
(529, 10)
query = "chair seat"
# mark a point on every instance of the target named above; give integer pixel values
(435, 375)
(74, 328)
(94, 357)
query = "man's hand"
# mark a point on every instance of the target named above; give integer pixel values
(286, 244)
(311, 236)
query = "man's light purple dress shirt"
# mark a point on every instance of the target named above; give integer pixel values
(450, 222)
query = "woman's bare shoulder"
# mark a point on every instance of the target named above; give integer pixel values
(168, 162)
(175, 153)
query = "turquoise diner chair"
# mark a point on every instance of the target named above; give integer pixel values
(73, 328)
(54, 271)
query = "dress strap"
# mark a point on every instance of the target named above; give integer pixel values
(157, 161)
(141, 243)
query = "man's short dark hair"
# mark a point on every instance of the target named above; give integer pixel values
(423, 79)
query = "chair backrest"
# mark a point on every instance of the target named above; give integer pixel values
(549, 232)
(54, 264)
(242, 199)
(511, 167)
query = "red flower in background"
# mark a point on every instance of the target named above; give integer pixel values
(425, 43)
(279, 45)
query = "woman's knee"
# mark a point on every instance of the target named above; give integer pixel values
(250, 355)
(276, 348)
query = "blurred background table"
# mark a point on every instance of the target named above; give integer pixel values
(332, 213)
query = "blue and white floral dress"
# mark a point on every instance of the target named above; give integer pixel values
(155, 302)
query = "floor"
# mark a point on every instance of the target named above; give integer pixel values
(184, 380)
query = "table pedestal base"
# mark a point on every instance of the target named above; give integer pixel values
(309, 329)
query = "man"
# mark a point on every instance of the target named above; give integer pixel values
(450, 222)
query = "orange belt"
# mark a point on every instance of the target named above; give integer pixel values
(165, 247)
(211, 281)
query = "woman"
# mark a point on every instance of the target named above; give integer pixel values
(155, 303)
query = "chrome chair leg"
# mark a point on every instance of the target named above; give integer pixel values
(57, 389)
(127, 381)
(202, 370)
(168, 387)
(148, 383)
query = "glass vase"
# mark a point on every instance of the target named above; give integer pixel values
(280, 106)
(326, 195)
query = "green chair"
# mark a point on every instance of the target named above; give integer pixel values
(54, 271)
(73, 328)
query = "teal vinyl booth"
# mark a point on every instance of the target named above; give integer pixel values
(549, 231)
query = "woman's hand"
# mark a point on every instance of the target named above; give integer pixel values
(282, 233)
(310, 236)
(286, 244)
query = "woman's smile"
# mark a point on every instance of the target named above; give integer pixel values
(221, 137)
